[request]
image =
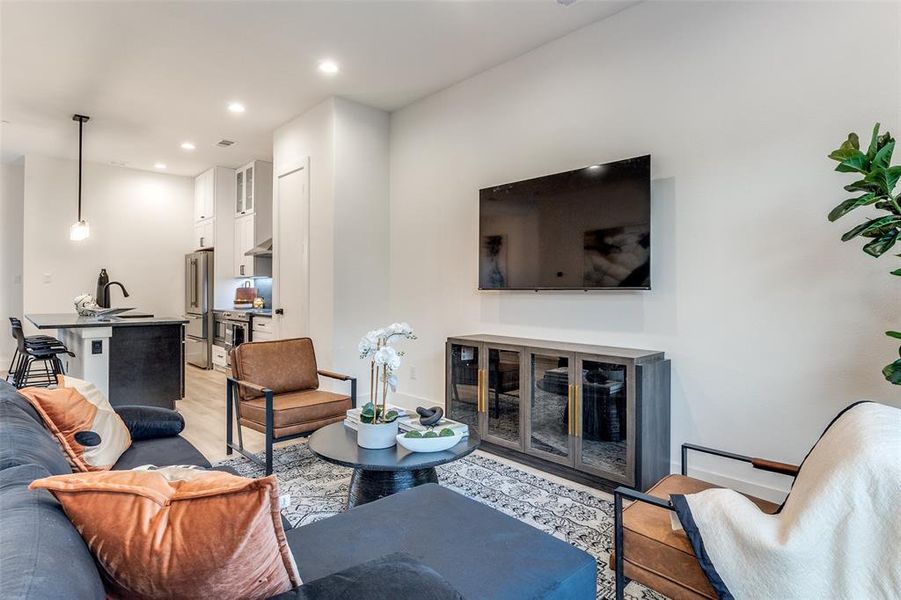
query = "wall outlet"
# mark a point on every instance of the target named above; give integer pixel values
(412, 372)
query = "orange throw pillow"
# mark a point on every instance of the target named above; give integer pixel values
(180, 532)
(74, 406)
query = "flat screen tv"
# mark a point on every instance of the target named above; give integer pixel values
(587, 229)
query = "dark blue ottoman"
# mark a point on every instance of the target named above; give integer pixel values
(481, 552)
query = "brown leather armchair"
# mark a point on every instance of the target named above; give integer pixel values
(274, 389)
(648, 550)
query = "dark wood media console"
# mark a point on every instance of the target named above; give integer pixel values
(594, 414)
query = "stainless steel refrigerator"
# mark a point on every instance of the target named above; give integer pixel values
(199, 308)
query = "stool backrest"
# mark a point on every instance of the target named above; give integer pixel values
(18, 334)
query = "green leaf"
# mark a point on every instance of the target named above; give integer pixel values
(881, 226)
(853, 233)
(856, 162)
(894, 334)
(847, 149)
(883, 158)
(897, 272)
(367, 417)
(885, 178)
(390, 416)
(850, 204)
(874, 143)
(862, 185)
(881, 245)
(892, 372)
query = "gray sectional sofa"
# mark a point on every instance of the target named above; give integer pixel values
(425, 543)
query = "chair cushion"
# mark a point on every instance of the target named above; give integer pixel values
(76, 406)
(292, 430)
(659, 557)
(296, 408)
(280, 365)
(160, 533)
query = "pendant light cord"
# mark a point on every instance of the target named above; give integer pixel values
(80, 126)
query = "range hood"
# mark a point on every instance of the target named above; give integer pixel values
(263, 249)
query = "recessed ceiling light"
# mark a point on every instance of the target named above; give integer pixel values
(187, 146)
(236, 107)
(328, 66)
(159, 166)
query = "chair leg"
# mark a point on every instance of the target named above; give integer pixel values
(270, 432)
(618, 545)
(229, 417)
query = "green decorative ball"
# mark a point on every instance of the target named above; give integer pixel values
(446, 432)
(412, 434)
(429, 434)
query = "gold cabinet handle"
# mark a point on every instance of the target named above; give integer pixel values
(577, 413)
(569, 404)
(481, 399)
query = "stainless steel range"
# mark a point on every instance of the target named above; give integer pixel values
(233, 328)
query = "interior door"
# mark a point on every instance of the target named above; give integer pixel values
(290, 252)
(502, 397)
(550, 411)
(605, 417)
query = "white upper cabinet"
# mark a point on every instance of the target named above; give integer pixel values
(253, 184)
(205, 196)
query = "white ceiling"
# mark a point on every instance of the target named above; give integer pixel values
(154, 74)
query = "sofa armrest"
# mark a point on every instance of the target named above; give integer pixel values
(148, 422)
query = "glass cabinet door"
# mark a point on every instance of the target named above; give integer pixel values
(239, 192)
(248, 189)
(501, 396)
(463, 382)
(550, 417)
(603, 424)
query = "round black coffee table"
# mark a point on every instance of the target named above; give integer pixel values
(379, 473)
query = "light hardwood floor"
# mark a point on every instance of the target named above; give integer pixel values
(203, 408)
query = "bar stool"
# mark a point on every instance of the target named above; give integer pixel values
(32, 351)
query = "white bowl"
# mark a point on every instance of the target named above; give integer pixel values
(435, 444)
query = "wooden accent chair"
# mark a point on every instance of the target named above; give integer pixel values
(274, 389)
(648, 550)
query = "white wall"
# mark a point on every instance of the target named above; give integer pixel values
(12, 185)
(772, 324)
(347, 146)
(140, 231)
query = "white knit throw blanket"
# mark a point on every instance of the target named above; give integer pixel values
(838, 534)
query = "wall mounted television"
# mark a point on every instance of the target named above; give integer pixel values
(587, 229)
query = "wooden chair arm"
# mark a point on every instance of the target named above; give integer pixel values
(775, 466)
(250, 386)
(333, 375)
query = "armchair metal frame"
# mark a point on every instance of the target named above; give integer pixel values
(630, 494)
(233, 409)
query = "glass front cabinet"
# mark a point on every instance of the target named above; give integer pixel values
(556, 402)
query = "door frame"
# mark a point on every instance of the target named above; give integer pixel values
(627, 478)
(302, 165)
(569, 459)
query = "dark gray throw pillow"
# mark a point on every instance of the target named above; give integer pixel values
(396, 576)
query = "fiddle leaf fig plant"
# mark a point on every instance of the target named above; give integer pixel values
(876, 188)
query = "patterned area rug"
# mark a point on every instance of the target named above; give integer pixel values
(579, 515)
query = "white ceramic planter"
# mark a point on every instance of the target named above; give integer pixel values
(374, 437)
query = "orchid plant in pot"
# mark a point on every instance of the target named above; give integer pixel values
(378, 424)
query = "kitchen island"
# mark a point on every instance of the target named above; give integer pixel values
(133, 360)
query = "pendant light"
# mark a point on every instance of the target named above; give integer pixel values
(80, 229)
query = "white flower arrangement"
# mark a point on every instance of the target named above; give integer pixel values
(385, 361)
